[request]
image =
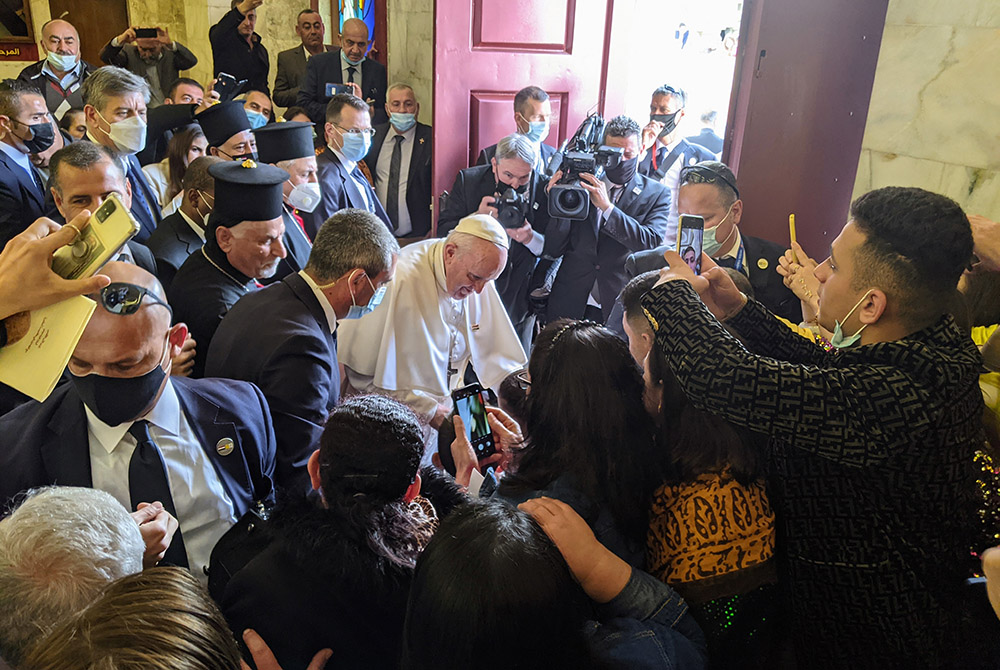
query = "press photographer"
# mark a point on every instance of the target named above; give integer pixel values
(583, 154)
(629, 214)
(512, 192)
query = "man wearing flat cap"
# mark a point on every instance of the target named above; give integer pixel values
(441, 314)
(243, 243)
(289, 146)
(227, 131)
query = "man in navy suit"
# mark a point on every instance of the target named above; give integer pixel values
(532, 117)
(284, 337)
(203, 449)
(115, 111)
(628, 213)
(348, 134)
(25, 128)
(346, 65)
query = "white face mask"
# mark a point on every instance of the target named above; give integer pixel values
(61, 62)
(305, 197)
(129, 136)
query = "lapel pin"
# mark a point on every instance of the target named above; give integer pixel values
(637, 190)
(421, 140)
(225, 446)
(762, 263)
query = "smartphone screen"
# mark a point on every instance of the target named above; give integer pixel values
(470, 402)
(689, 240)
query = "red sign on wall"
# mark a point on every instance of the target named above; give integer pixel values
(19, 51)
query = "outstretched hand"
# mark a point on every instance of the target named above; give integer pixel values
(714, 285)
(264, 658)
(465, 456)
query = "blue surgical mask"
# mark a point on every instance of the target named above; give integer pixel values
(838, 339)
(256, 119)
(357, 311)
(348, 61)
(537, 131)
(709, 244)
(402, 121)
(356, 146)
(61, 62)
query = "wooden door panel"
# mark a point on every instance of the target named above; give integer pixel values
(492, 110)
(550, 27)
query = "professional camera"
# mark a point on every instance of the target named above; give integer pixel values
(512, 208)
(582, 153)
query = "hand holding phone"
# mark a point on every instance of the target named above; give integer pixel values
(689, 240)
(338, 89)
(145, 33)
(228, 87)
(111, 226)
(470, 402)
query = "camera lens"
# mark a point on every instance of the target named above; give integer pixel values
(570, 200)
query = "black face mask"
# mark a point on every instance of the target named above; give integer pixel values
(115, 400)
(42, 136)
(669, 121)
(622, 173)
(502, 187)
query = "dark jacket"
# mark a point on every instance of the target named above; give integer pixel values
(148, 216)
(54, 96)
(323, 69)
(171, 243)
(547, 151)
(871, 451)
(708, 139)
(470, 187)
(339, 192)
(279, 339)
(316, 586)
(595, 250)
(761, 259)
(231, 53)
(47, 443)
(418, 182)
(296, 244)
(168, 67)
(291, 73)
(686, 152)
(21, 200)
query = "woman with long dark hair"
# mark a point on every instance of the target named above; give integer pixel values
(588, 439)
(167, 175)
(337, 573)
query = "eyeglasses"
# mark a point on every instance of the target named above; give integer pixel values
(125, 299)
(703, 174)
(357, 131)
(522, 380)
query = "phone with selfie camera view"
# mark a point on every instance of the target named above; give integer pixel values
(470, 403)
(690, 235)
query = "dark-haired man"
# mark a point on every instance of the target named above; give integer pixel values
(871, 447)
(292, 62)
(628, 213)
(532, 118)
(236, 46)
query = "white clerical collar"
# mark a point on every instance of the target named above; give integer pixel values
(194, 226)
(324, 302)
(348, 165)
(166, 415)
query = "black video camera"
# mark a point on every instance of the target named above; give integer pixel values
(582, 153)
(512, 208)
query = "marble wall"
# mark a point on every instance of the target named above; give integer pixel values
(411, 49)
(934, 119)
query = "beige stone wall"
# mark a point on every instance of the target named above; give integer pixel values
(934, 120)
(411, 49)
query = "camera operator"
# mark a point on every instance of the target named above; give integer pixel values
(629, 213)
(510, 190)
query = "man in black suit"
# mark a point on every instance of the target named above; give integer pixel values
(289, 146)
(709, 190)
(402, 173)
(665, 151)
(237, 49)
(156, 59)
(532, 118)
(183, 232)
(628, 213)
(342, 66)
(476, 191)
(348, 133)
(25, 128)
(283, 337)
(204, 449)
(708, 138)
(292, 62)
(61, 74)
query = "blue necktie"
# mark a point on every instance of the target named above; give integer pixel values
(147, 482)
(140, 206)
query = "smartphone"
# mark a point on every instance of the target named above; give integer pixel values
(228, 87)
(143, 33)
(470, 403)
(337, 89)
(689, 240)
(110, 227)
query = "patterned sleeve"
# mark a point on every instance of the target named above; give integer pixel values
(854, 415)
(764, 333)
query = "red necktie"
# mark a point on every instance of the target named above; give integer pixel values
(302, 224)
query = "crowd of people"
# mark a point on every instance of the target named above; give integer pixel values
(254, 455)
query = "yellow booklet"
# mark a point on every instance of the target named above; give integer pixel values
(39, 345)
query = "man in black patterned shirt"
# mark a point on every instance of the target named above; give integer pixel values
(871, 445)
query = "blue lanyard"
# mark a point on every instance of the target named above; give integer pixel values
(739, 257)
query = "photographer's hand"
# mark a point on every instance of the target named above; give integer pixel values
(598, 191)
(486, 206)
(522, 234)
(553, 180)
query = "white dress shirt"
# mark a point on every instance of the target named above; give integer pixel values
(349, 166)
(198, 230)
(204, 508)
(345, 74)
(403, 225)
(22, 160)
(324, 302)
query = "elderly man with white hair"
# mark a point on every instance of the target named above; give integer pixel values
(58, 550)
(440, 314)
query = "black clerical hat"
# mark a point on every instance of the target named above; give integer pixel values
(284, 141)
(246, 191)
(222, 121)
